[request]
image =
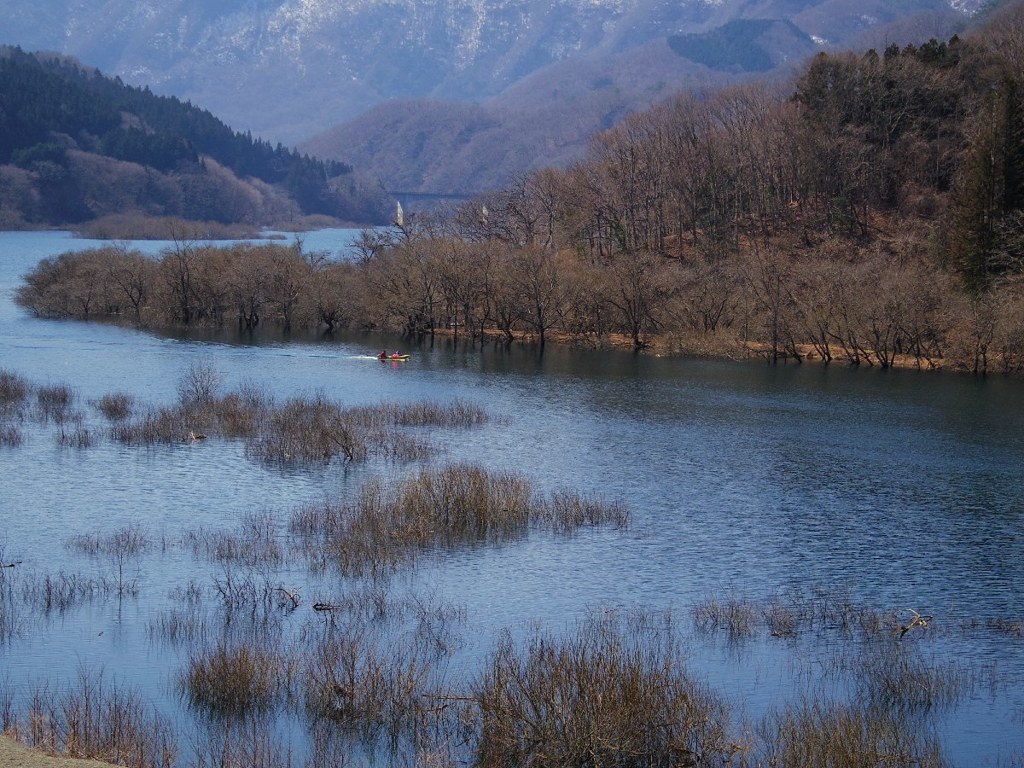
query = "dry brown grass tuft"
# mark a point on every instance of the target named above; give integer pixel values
(615, 692)
(234, 680)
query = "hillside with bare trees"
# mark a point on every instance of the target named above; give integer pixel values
(870, 213)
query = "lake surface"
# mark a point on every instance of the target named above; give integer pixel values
(899, 489)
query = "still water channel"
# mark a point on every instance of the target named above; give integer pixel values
(898, 489)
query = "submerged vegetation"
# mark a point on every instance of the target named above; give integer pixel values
(304, 430)
(447, 507)
(614, 692)
(299, 641)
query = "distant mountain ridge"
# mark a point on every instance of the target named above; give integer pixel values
(287, 70)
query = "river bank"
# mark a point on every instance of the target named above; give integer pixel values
(13, 754)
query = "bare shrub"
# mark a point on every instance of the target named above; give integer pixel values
(615, 692)
(199, 385)
(242, 413)
(365, 685)
(308, 430)
(160, 425)
(120, 546)
(116, 407)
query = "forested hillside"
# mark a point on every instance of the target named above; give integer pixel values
(75, 145)
(872, 212)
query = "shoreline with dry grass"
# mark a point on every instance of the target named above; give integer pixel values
(14, 754)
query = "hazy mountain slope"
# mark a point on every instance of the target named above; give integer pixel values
(286, 69)
(547, 72)
(547, 117)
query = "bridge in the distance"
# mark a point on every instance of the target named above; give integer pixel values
(428, 199)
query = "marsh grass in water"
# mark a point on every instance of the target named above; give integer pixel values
(737, 617)
(116, 407)
(74, 433)
(252, 740)
(305, 430)
(54, 402)
(615, 691)
(456, 505)
(11, 436)
(91, 719)
(64, 591)
(255, 542)
(14, 392)
(179, 625)
(896, 676)
(819, 733)
(9, 621)
(371, 684)
(121, 547)
(792, 615)
(235, 679)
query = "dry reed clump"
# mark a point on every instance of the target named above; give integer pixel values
(54, 402)
(790, 615)
(154, 426)
(451, 506)
(116, 407)
(424, 413)
(178, 625)
(234, 679)
(14, 392)
(11, 436)
(613, 693)
(738, 617)
(255, 543)
(74, 434)
(568, 510)
(308, 430)
(830, 735)
(241, 414)
(95, 721)
(894, 676)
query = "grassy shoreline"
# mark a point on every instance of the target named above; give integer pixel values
(14, 754)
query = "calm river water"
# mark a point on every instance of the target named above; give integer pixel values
(899, 489)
